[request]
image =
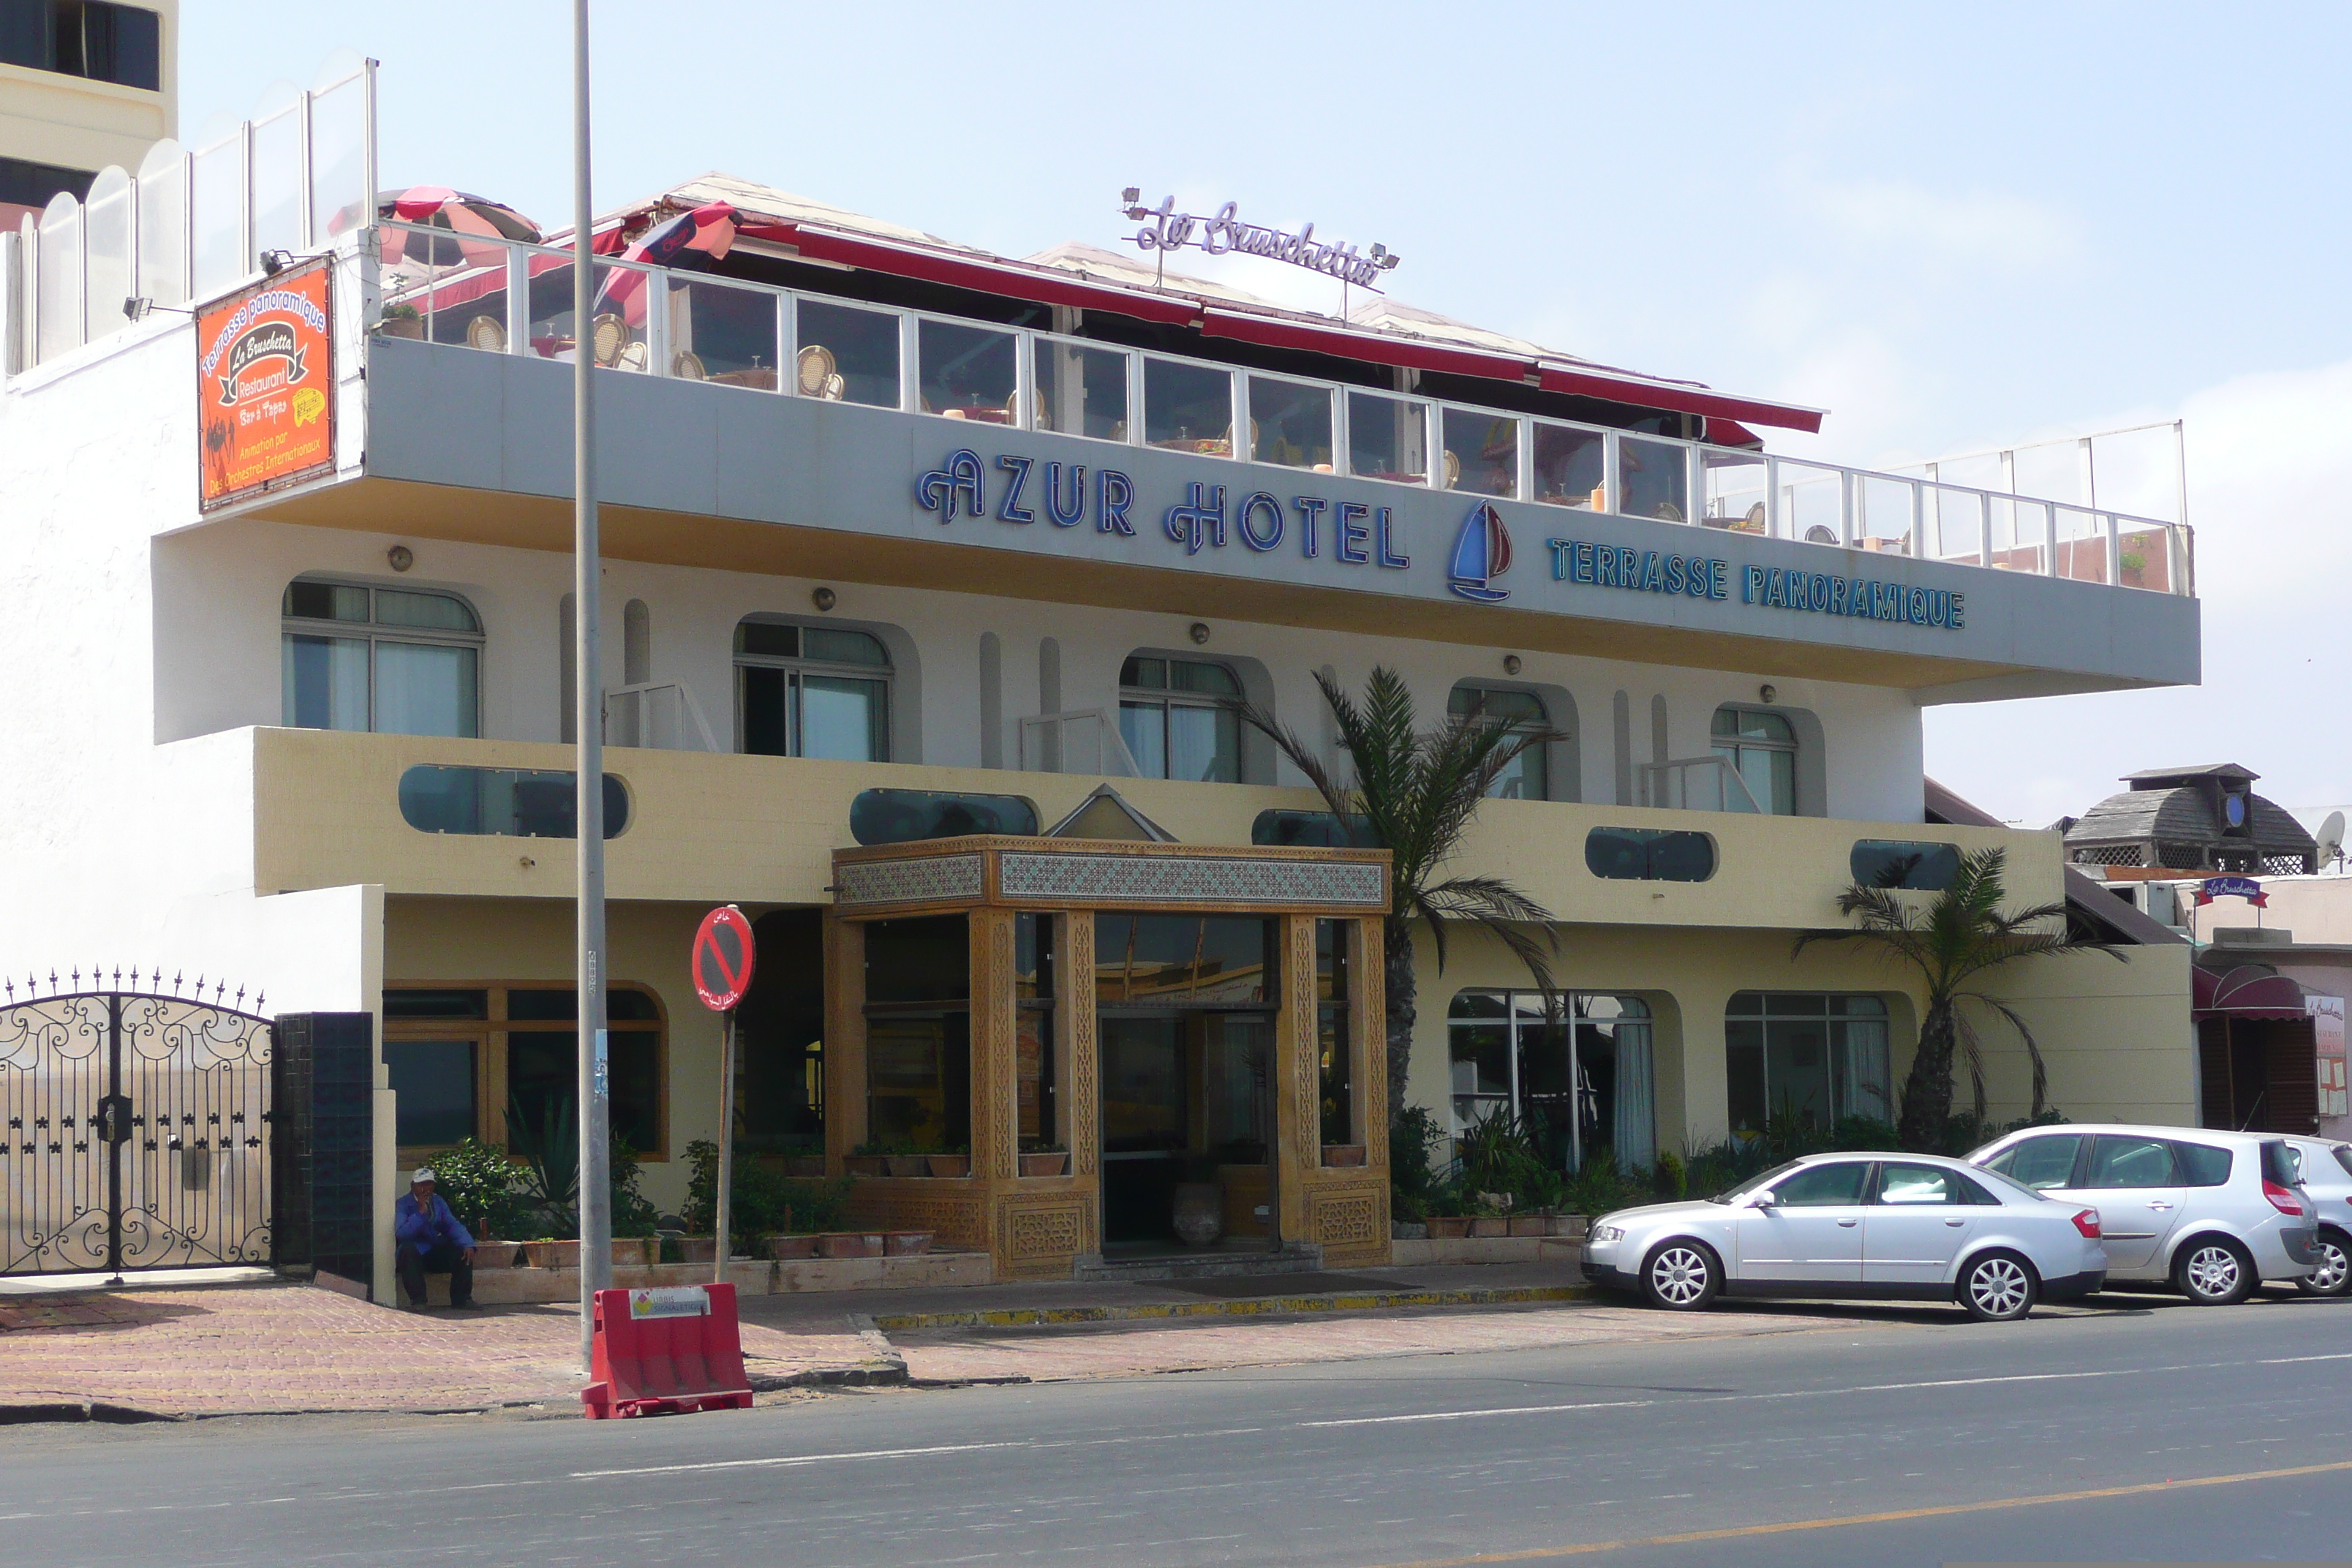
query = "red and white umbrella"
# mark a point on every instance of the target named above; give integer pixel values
(694, 239)
(475, 224)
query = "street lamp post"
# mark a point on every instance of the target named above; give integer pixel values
(588, 693)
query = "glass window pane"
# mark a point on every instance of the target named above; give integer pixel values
(1899, 1184)
(425, 688)
(1653, 479)
(1743, 1060)
(1144, 727)
(1337, 1093)
(1387, 437)
(828, 646)
(1476, 1004)
(766, 728)
(1033, 1082)
(2040, 1163)
(1569, 465)
(325, 682)
(927, 959)
(1797, 1069)
(434, 1082)
(437, 1003)
(1148, 674)
(918, 1082)
(1897, 863)
(1081, 390)
(543, 1083)
(1863, 1080)
(724, 334)
(1481, 453)
(2125, 1162)
(2203, 1165)
(1290, 425)
(1204, 744)
(1181, 960)
(1781, 800)
(1189, 675)
(326, 602)
(849, 355)
(1189, 407)
(1522, 777)
(967, 372)
(1822, 1186)
(397, 608)
(768, 639)
(843, 719)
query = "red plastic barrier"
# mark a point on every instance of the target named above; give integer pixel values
(666, 1353)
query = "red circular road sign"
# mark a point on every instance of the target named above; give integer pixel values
(723, 958)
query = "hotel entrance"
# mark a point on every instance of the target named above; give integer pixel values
(1188, 1074)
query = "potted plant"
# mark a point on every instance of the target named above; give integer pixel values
(957, 1163)
(905, 1243)
(850, 1244)
(904, 1160)
(1343, 1154)
(1044, 1160)
(790, 1249)
(402, 321)
(865, 1160)
(2134, 567)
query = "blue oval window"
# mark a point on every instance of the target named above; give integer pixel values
(513, 803)
(1312, 829)
(1649, 855)
(906, 815)
(1895, 863)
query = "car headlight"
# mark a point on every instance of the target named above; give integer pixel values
(1609, 1233)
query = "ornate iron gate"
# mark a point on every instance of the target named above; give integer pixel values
(136, 1130)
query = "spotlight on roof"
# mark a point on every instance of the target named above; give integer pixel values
(1129, 196)
(274, 262)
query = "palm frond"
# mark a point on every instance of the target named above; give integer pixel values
(2032, 1048)
(1971, 1052)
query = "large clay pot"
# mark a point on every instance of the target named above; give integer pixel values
(1199, 1213)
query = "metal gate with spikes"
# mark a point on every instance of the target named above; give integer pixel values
(136, 1123)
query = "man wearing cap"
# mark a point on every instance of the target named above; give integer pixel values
(432, 1241)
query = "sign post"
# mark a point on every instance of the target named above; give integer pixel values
(723, 956)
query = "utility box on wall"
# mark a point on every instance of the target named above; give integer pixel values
(324, 1131)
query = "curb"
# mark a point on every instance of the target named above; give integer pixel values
(1042, 1317)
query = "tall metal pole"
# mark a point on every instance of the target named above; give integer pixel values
(588, 694)
(723, 1228)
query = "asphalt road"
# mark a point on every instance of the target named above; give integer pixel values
(2160, 1432)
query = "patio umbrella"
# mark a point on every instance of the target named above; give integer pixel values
(693, 239)
(464, 215)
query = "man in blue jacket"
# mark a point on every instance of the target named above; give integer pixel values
(432, 1240)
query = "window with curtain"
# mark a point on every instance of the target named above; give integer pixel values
(1805, 1058)
(1173, 718)
(1582, 1085)
(1761, 748)
(811, 691)
(1528, 776)
(394, 661)
(501, 1063)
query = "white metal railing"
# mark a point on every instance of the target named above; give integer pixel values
(660, 715)
(1084, 740)
(1668, 783)
(196, 225)
(511, 298)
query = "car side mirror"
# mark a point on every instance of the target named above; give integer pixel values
(1766, 1199)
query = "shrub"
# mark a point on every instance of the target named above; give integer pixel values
(480, 1183)
(1414, 1137)
(764, 1203)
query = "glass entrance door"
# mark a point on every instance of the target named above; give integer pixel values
(1184, 1100)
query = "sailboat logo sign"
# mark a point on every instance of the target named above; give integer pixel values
(1482, 553)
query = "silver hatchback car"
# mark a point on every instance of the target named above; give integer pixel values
(2214, 1213)
(2326, 1175)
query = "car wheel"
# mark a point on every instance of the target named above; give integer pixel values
(2212, 1272)
(1681, 1276)
(1999, 1288)
(2333, 1275)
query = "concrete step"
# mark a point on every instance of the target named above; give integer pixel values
(1299, 1257)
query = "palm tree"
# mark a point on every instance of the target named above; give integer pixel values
(1414, 795)
(1956, 937)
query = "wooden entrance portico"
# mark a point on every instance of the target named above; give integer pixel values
(1042, 1227)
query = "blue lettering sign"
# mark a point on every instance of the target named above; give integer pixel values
(1009, 509)
(1255, 504)
(1110, 511)
(1384, 531)
(957, 480)
(1073, 514)
(1353, 534)
(1310, 517)
(1200, 518)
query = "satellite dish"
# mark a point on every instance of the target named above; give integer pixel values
(2331, 838)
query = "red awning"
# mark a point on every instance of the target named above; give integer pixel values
(1037, 285)
(2246, 992)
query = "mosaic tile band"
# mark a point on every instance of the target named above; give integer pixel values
(931, 879)
(1170, 879)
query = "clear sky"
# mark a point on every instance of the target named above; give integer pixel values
(1952, 228)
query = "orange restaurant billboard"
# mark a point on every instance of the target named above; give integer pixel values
(265, 387)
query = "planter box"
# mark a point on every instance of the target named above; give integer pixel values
(497, 1254)
(1442, 1227)
(1490, 1227)
(632, 1251)
(785, 1248)
(552, 1254)
(804, 1165)
(905, 1243)
(1046, 1164)
(1408, 1230)
(1343, 1153)
(949, 1164)
(692, 1250)
(908, 1164)
(865, 1166)
(849, 1244)
(1529, 1224)
(409, 327)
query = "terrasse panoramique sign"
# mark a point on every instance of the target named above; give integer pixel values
(1350, 533)
(265, 387)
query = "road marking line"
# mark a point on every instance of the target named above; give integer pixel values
(1721, 1398)
(1893, 1516)
(1475, 1414)
(785, 1459)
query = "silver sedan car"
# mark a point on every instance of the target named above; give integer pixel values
(1856, 1226)
(2326, 1169)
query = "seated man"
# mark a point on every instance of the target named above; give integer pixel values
(431, 1239)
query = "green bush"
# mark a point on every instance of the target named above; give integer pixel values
(481, 1185)
(1414, 1183)
(764, 1203)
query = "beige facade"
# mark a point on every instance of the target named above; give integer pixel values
(74, 122)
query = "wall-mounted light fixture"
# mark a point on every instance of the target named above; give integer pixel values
(1768, 693)
(824, 599)
(274, 262)
(1510, 664)
(400, 557)
(1199, 631)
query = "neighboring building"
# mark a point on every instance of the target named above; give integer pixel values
(83, 84)
(918, 650)
(2192, 819)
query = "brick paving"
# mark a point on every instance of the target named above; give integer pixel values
(290, 1347)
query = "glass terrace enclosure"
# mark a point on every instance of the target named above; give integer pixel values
(511, 298)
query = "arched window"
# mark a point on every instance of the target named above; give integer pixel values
(396, 660)
(1761, 748)
(1173, 718)
(1529, 777)
(811, 691)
